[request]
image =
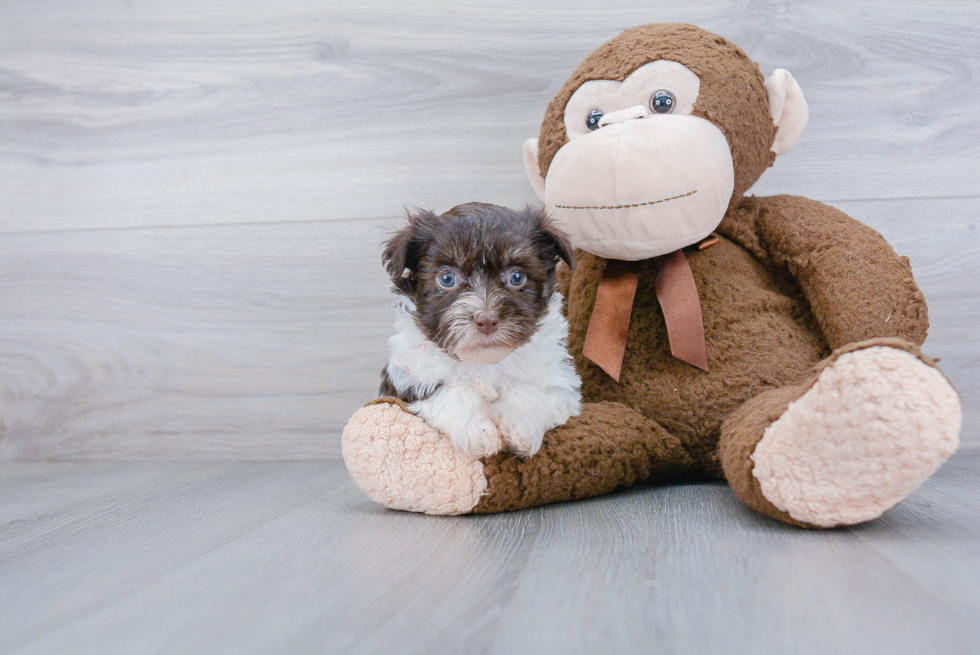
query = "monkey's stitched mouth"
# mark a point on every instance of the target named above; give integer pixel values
(638, 204)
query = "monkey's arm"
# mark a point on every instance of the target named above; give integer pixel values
(857, 287)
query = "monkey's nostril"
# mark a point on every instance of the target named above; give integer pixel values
(486, 322)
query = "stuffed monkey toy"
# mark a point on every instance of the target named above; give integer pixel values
(772, 342)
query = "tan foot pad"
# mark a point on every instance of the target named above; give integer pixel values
(876, 424)
(402, 463)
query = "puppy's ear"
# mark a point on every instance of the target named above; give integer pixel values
(550, 239)
(403, 250)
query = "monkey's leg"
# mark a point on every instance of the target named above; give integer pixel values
(874, 420)
(402, 463)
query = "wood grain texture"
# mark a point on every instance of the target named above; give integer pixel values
(259, 341)
(290, 557)
(190, 191)
(253, 342)
(190, 112)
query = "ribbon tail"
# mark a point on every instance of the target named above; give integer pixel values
(605, 339)
(681, 306)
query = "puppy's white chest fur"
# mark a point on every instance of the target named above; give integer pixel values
(483, 406)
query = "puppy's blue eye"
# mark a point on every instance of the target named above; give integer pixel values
(447, 279)
(516, 278)
(592, 121)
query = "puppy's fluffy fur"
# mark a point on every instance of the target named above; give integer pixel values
(479, 348)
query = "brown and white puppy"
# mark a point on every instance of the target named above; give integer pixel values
(479, 349)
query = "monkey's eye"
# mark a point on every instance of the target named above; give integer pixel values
(448, 279)
(662, 102)
(592, 122)
(516, 279)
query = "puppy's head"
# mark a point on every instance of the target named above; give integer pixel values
(480, 275)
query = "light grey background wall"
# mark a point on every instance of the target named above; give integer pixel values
(192, 194)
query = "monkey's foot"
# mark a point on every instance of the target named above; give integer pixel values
(403, 463)
(876, 423)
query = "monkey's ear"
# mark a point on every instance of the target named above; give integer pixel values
(788, 109)
(403, 251)
(532, 168)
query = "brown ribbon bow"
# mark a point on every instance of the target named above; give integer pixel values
(605, 340)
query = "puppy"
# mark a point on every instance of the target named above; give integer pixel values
(479, 345)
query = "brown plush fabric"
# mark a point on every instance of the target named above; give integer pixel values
(763, 329)
(740, 435)
(856, 285)
(563, 278)
(744, 429)
(732, 95)
(759, 334)
(607, 447)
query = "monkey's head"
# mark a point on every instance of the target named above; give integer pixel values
(655, 135)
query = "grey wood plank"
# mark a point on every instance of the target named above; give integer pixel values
(934, 536)
(173, 113)
(290, 557)
(130, 539)
(259, 341)
(38, 498)
(38, 486)
(332, 576)
(694, 571)
(248, 342)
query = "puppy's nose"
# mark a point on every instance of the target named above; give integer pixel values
(486, 322)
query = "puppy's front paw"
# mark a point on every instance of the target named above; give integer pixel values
(523, 435)
(477, 438)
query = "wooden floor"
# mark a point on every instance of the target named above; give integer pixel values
(192, 197)
(289, 557)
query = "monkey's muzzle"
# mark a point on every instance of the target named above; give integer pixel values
(643, 187)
